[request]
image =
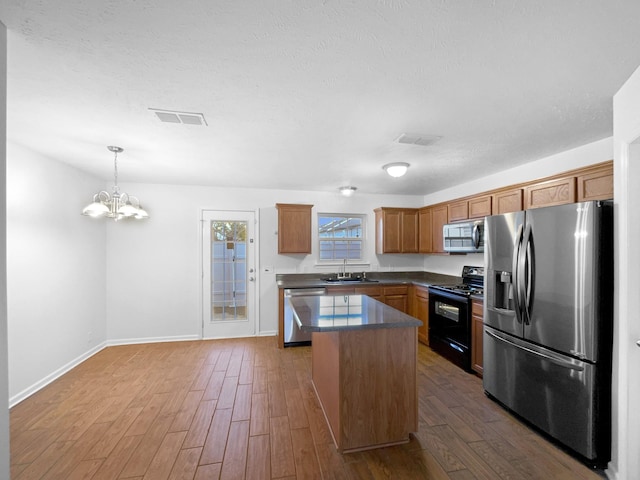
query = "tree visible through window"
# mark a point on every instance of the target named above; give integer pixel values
(340, 236)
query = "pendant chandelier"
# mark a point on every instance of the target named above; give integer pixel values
(116, 204)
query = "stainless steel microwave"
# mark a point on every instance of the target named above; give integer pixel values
(464, 237)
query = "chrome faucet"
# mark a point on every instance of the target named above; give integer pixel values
(344, 270)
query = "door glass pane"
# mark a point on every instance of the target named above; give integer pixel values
(228, 270)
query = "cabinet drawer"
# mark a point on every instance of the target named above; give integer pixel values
(369, 291)
(396, 290)
(422, 292)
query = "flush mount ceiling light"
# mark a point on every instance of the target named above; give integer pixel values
(396, 169)
(118, 204)
(348, 190)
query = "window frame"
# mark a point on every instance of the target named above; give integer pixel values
(362, 238)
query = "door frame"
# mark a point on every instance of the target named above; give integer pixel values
(256, 256)
(626, 145)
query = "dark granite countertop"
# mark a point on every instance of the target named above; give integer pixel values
(314, 280)
(346, 312)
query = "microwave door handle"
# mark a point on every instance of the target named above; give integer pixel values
(515, 274)
(476, 236)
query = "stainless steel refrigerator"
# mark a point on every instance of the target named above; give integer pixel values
(548, 321)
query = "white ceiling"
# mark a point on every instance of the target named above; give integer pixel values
(311, 94)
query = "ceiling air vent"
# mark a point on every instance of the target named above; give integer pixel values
(417, 139)
(187, 118)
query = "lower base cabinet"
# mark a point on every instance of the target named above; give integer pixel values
(477, 331)
(420, 310)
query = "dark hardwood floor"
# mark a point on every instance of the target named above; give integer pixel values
(245, 409)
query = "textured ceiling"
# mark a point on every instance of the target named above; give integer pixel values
(311, 94)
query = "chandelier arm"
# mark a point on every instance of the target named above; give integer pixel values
(103, 196)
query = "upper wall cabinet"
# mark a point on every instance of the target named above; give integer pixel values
(458, 211)
(294, 228)
(396, 230)
(425, 230)
(507, 201)
(438, 220)
(553, 192)
(596, 184)
(480, 207)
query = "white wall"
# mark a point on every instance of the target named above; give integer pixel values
(4, 367)
(153, 267)
(55, 267)
(583, 156)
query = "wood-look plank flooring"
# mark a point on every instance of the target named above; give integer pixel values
(234, 409)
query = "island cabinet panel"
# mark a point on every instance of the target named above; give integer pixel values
(507, 201)
(596, 185)
(477, 333)
(425, 231)
(294, 228)
(420, 310)
(480, 207)
(554, 192)
(368, 389)
(458, 211)
(439, 220)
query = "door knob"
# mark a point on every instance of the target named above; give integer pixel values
(638, 343)
(251, 279)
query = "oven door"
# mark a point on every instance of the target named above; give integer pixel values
(450, 326)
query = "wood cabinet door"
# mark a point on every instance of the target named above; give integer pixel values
(397, 296)
(294, 228)
(421, 312)
(439, 220)
(425, 231)
(597, 185)
(458, 211)
(480, 207)
(409, 233)
(388, 228)
(399, 302)
(507, 201)
(477, 333)
(554, 192)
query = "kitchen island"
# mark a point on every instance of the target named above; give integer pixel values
(364, 368)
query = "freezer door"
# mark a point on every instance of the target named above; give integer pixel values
(554, 392)
(562, 268)
(502, 240)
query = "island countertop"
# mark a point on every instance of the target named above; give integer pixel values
(346, 312)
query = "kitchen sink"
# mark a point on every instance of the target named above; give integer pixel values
(349, 280)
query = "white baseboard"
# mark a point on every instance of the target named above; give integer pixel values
(270, 333)
(612, 471)
(135, 341)
(27, 392)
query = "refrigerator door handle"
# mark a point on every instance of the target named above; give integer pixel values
(515, 274)
(549, 358)
(528, 265)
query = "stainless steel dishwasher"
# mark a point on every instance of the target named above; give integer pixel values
(293, 336)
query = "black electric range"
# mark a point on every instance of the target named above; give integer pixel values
(450, 316)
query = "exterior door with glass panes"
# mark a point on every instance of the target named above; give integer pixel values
(228, 274)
